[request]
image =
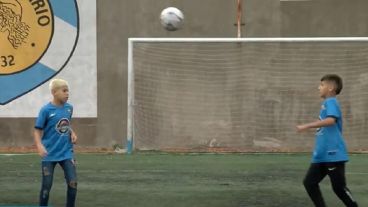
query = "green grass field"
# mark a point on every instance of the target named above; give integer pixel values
(178, 180)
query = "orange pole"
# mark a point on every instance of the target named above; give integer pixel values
(239, 17)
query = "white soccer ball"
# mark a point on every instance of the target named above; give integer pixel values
(172, 18)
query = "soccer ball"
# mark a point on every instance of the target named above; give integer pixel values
(172, 18)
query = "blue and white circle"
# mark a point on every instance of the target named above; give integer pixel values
(56, 57)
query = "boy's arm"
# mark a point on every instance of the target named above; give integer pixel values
(73, 136)
(316, 124)
(37, 139)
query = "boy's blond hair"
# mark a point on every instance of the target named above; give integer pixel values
(57, 83)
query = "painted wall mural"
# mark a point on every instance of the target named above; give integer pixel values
(42, 39)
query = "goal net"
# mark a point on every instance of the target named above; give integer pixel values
(241, 94)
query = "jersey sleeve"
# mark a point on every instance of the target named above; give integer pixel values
(41, 119)
(332, 109)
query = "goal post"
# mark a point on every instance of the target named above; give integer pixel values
(239, 94)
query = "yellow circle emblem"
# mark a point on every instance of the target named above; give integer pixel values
(26, 29)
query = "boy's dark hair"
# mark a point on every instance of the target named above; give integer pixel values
(335, 79)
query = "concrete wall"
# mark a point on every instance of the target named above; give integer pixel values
(324, 18)
(117, 20)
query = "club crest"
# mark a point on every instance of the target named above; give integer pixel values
(63, 126)
(37, 39)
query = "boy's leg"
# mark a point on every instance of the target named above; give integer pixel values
(311, 183)
(336, 172)
(71, 181)
(47, 177)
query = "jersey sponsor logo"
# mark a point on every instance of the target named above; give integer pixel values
(63, 126)
(37, 39)
(332, 152)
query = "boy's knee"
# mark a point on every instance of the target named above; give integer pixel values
(73, 184)
(338, 186)
(309, 185)
(340, 190)
(45, 171)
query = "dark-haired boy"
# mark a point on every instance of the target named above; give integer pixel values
(330, 152)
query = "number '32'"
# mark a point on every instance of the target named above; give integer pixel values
(7, 61)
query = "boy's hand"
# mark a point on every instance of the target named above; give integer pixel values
(74, 138)
(41, 150)
(301, 128)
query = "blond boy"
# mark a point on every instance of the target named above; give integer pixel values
(54, 139)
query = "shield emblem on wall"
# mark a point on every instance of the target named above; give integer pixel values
(37, 39)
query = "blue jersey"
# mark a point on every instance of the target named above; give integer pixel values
(54, 121)
(330, 145)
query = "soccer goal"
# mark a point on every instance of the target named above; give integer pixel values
(240, 94)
